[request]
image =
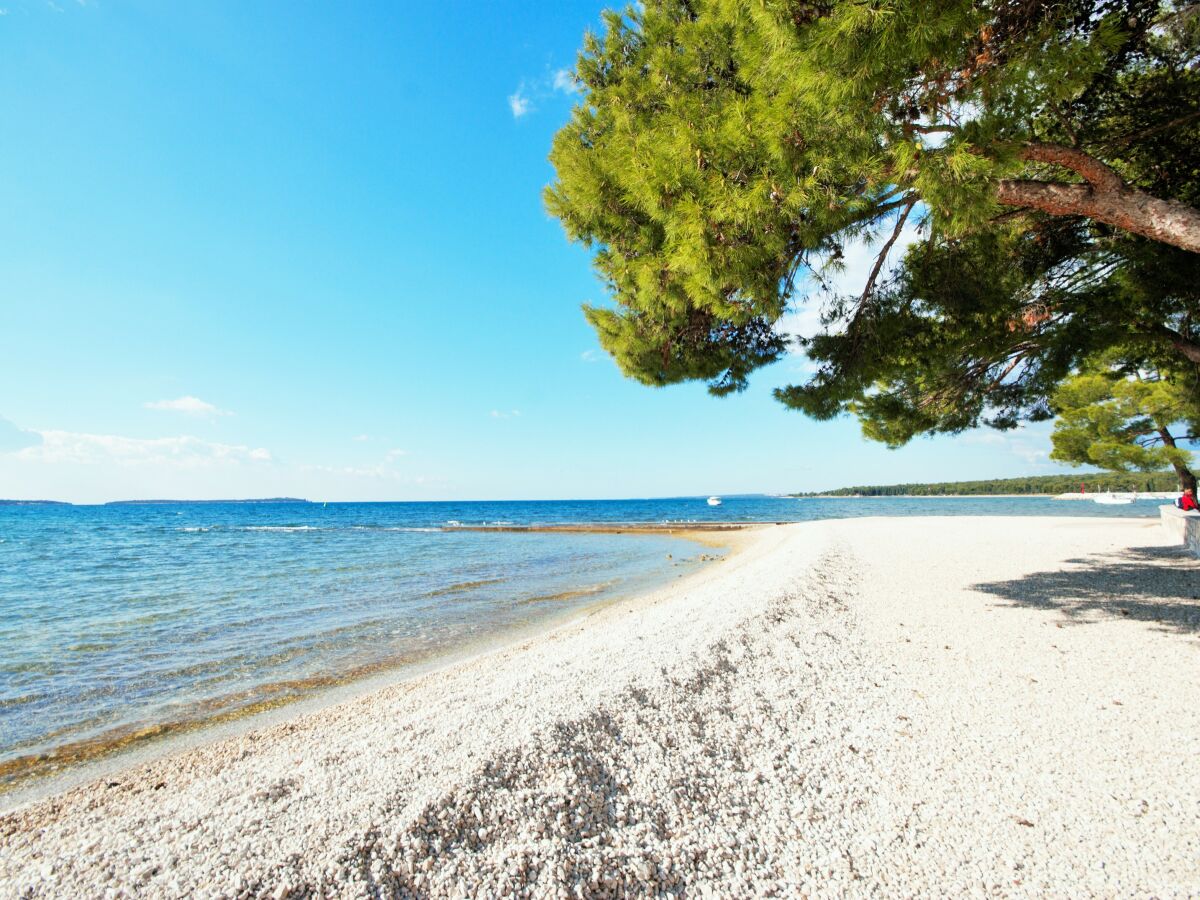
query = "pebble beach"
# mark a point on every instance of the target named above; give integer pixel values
(874, 707)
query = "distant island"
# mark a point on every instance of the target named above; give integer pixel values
(1034, 484)
(33, 503)
(201, 502)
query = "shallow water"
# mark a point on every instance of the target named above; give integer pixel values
(123, 622)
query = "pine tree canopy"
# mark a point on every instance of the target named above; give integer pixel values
(981, 329)
(1124, 419)
(724, 153)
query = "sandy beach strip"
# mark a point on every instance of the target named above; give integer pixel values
(950, 706)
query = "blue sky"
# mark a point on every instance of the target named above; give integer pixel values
(256, 249)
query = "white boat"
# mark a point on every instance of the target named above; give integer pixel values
(1111, 499)
(714, 501)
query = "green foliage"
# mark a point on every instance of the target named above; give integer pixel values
(1096, 482)
(980, 330)
(726, 151)
(1123, 420)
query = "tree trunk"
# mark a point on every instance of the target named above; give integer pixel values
(1135, 211)
(1104, 197)
(1186, 478)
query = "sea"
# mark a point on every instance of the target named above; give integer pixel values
(124, 623)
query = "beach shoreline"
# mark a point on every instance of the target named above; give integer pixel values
(843, 706)
(70, 766)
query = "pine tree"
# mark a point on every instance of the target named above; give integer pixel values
(725, 151)
(1126, 419)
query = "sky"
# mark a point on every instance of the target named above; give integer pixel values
(265, 249)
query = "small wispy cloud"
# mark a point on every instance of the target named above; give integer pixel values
(564, 81)
(1039, 459)
(14, 438)
(532, 91)
(192, 406)
(361, 438)
(381, 472)
(519, 104)
(500, 414)
(184, 452)
(985, 438)
(590, 356)
(1029, 443)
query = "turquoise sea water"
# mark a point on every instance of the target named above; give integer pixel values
(123, 621)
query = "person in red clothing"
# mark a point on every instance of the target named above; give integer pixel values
(1188, 501)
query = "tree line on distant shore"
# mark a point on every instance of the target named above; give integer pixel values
(1094, 482)
(1041, 161)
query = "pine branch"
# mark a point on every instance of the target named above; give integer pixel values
(882, 257)
(1083, 164)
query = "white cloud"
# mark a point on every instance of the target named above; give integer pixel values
(1028, 442)
(519, 103)
(14, 438)
(361, 437)
(500, 414)
(1038, 459)
(376, 471)
(804, 322)
(94, 468)
(192, 406)
(381, 472)
(590, 356)
(847, 276)
(535, 90)
(564, 81)
(988, 438)
(175, 452)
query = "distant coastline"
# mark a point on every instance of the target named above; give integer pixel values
(203, 502)
(1031, 486)
(946, 496)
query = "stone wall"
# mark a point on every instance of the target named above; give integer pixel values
(1184, 527)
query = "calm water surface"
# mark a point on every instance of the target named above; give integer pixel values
(118, 622)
